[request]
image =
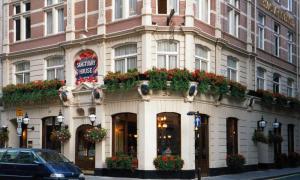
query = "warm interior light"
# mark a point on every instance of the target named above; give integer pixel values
(164, 125)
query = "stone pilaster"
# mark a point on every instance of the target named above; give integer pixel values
(147, 13)
(70, 28)
(218, 30)
(101, 17)
(189, 13)
(146, 51)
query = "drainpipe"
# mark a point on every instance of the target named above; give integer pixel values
(298, 46)
(85, 15)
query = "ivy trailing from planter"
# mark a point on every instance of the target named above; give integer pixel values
(157, 78)
(237, 90)
(180, 79)
(121, 81)
(31, 93)
(274, 138)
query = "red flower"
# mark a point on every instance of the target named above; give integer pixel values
(164, 158)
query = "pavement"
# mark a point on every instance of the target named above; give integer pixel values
(252, 175)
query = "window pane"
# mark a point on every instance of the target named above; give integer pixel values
(55, 62)
(203, 10)
(27, 6)
(126, 50)
(260, 72)
(167, 46)
(50, 74)
(26, 77)
(204, 66)
(201, 52)
(49, 22)
(120, 65)
(197, 63)
(60, 74)
(10, 156)
(17, 9)
(161, 61)
(162, 7)
(172, 62)
(18, 29)
(131, 63)
(25, 157)
(231, 63)
(173, 5)
(19, 78)
(132, 7)
(60, 20)
(49, 2)
(22, 66)
(118, 9)
(28, 28)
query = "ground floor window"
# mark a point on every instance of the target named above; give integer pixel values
(124, 134)
(49, 124)
(168, 134)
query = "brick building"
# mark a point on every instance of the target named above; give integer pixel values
(252, 42)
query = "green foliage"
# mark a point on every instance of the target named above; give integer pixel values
(235, 162)
(180, 79)
(258, 136)
(157, 79)
(31, 93)
(274, 138)
(168, 163)
(95, 134)
(121, 81)
(3, 136)
(237, 90)
(121, 161)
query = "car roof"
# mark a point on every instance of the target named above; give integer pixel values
(29, 149)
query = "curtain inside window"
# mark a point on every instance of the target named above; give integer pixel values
(118, 9)
(161, 61)
(50, 74)
(204, 66)
(55, 62)
(131, 63)
(120, 65)
(172, 62)
(60, 14)
(173, 5)
(60, 74)
(26, 77)
(132, 7)
(49, 22)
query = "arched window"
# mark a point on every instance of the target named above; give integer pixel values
(167, 54)
(276, 83)
(232, 69)
(232, 136)
(125, 58)
(22, 72)
(124, 134)
(201, 58)
(260, 78)
(168, 134)
(55, 68)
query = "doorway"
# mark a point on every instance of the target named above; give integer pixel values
(49, 124)
(85, 151)
(202, 146)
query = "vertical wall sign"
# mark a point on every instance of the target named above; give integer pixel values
(86, 64)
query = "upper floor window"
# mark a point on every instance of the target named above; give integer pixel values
(290, 87)
(125, 8)
(203, 10)
(232, 69)
(22, 22)
(51, 2)
(276, 39)
(125, 58)
(290, 5)
(276, 83)
(260, 78)
(22, 72)
(233, 21)
(234, 3)
(201, 58)
(261, 31)
(167, 54)
(290, 47)
(165, 6)
(54, 20)
(55, 68)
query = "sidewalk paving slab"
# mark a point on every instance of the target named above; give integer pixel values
(252, 175)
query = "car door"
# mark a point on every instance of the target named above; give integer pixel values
(27, 165)
(8, 166)
(2, 152)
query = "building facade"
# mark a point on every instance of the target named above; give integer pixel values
(254, 43)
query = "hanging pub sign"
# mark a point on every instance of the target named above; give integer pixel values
(86, 64)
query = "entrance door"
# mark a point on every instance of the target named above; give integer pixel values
(201, 146)
(50, 124)
(85, 151)
(277, 145)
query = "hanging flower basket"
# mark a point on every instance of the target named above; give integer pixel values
(275, 138)
(258, 136)
(61, 136)
(96, 134)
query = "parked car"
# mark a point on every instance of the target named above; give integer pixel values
(21, 163)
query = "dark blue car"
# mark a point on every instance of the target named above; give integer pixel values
(22, 163)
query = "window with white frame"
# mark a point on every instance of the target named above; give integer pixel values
(234, 3)
(290, 87)
(290, 5)
(203, 10)
(167, 54)
(125, 8)
(261, 31)
(233, 19)
(201, 58)
(22, 72)
(260, 78)
(22, 20)
(55, 68)
(125, 58)
(231, 69)
(165, 6)
(290, 47)
(54, 15)
(276, 83)
(276, 39)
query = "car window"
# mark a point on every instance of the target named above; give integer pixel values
(51, 156)
(2, 151)
(25, 157)
(10, 156)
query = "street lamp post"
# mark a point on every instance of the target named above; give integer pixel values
(60, 118)
(261, 123)
(197, 124)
